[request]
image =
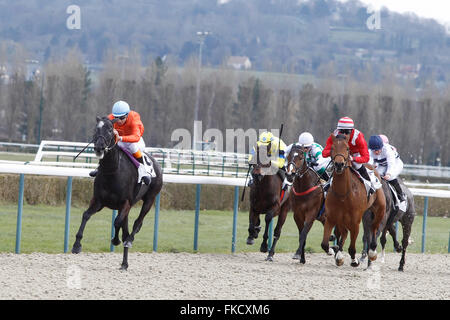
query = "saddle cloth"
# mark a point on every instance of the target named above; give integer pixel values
(143, 170)
(373, 183)
(401, 205)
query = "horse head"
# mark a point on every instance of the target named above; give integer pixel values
(340, 153)
(104, 138)
(296, 161)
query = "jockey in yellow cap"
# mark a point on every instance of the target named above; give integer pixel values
(276, 152)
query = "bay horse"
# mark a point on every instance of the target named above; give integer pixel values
(265, 199)
(307, 196)
(116, 187)
(393, 215)
(346, 202)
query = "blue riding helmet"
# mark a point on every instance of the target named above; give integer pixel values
(375, 143)
(120, 108)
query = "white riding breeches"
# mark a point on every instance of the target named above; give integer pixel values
(133, 147)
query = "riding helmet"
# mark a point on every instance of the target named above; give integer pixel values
(120, 108)
(306, 139)
(375, 143)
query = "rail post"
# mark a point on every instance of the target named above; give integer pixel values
(67, 222)
(424, 224)
(19, 213)
(197, 215)
(156, 224)
(113, 230)
(235, 214)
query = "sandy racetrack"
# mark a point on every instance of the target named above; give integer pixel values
(219, 276)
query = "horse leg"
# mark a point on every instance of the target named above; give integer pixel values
(268, 219)
(393, 233)
(299, 221)
(123, 212)
(253, 228)
(138, 222)
(327, 229)
(126, 245)
(378, 210)
(383, 245)
(339, 257)
(93, 208)
(352, 248)
(367, 221)
(405, 241)
(307, 226)
(277, 232)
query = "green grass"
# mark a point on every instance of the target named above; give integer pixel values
(43, 231)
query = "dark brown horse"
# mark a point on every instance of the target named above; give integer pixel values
(346, 202)
(265, 199)
(307, 196)
(393, 215)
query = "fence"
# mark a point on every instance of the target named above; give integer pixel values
(179, 166)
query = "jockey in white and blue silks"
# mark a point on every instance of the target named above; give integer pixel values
(387, 161)
(313, 152)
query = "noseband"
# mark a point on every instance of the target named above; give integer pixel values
(345, 161)
(108, 147)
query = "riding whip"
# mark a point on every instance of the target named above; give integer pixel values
(83, 149)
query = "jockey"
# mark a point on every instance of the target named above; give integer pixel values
(276, 152)
(387, 161)
(359, 153)
(128, 130)
(313, 152)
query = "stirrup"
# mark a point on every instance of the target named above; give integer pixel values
(93, 173)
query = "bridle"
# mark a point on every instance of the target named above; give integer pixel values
(108, 144)
(299, 174)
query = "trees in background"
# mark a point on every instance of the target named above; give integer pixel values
(415, 122)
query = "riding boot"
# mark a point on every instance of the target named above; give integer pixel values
(399, 190)
(93, 173)
(363, 172)
(145, 178)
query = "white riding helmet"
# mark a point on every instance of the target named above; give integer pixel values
(120, 108)
(305, 139)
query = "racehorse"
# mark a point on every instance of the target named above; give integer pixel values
(265, 199)
(393, 215)
(116, 187)
(346, 202)
(307, 196)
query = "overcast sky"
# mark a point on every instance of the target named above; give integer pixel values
(437, 9)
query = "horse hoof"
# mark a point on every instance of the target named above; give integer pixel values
(127, 244)
(124, 267)
(330, 252)
(372, 255)
(355, 263)
(263, 248)
(332, 238)
(303, 261)
(296, 257)
(250, 241)
(76, 249)
(115, 242)
(269, 258)
(399, 249)
(339, 259)
(400, 268)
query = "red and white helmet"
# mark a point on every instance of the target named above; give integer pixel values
(345, 123)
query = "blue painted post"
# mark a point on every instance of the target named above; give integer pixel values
(156, 225)
(19, 213)
(449, 243)
(269, 240)
(424, 224)
(67, 223)
(197, 215)
(235, 214)
(113, 230)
